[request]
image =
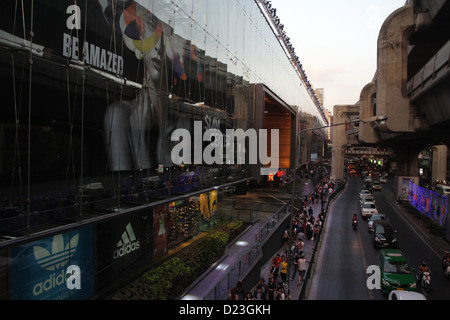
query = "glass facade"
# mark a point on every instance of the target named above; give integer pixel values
(92, 93)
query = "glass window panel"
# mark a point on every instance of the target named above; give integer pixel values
(184, 5)
(163, 9)
(210, 71)
(199, 11)
(212, 17)
(239, 31)
(223, 21)
(232, 23)
(198, 36)
(182, 23)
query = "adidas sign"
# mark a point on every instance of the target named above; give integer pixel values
(128, 243)
(54, 261)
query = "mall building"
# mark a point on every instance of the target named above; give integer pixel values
(92, 176)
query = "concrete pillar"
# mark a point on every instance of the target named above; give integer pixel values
(392, 52)
(439, 165)
(337, 162)
(367, 132)
(407, 159)
(340, 139)
(406, 156)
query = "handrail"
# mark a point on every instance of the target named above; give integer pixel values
(243, 265)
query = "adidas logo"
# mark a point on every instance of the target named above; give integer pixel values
(128, 243)
(54, 261)
(60, 254)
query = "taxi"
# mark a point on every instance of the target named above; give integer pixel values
(395, 271)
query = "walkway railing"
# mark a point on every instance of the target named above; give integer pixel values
(248, 259)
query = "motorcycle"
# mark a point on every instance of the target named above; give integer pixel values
(446, 264)
(447, 271)
(354, 224)
(425, 283)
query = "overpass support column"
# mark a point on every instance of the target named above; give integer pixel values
(406, 170)
(439, 166)
(341, 115)
(337, 162)
(391, 98)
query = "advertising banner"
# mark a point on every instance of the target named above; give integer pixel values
(55, 268)
(80, 31)
(121, 243)
(160, 224)
(208, 204)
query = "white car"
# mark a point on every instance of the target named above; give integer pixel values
(368, 209)
(406, 295)
(365, 198)
(363, 193)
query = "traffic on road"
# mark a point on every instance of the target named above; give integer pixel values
(387, 256)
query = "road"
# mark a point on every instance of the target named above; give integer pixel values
(345, 254)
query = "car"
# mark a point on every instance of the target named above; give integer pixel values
(405, 295)
(395, 273)
(383, 180)
(384, 235)
(373, 218)
(367, 179)
(442, 189)
(363, 193)
(368, 197)
(376, 185)
(368, 209)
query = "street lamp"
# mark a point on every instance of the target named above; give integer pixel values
(375, 119)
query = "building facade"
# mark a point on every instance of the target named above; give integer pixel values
(93, 91)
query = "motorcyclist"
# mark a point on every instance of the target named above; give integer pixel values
(354, 219)
(445, 261)
(423, 268)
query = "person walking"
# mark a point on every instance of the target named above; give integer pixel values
(271, 289)
(283, 269)
(302, 265)
(240, 290)
(285, 238)
(233, 295)
(295, 257)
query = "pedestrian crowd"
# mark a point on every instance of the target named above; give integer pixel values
(306, 227)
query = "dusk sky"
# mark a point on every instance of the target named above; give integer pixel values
(336, 42)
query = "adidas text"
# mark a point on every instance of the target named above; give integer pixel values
(126, 249)
(71, 277)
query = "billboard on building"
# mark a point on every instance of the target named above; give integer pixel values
(122, 243)
(40, 270)
(160, 231)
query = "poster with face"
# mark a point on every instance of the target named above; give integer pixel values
(140, 128)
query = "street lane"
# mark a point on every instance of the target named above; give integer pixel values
(413, 242)
(340, 268)
(345, 254)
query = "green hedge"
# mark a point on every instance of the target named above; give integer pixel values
(168, 280)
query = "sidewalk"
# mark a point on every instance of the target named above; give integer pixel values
(242, 246)
(294, 287)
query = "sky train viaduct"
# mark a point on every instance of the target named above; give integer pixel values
(411, 87)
